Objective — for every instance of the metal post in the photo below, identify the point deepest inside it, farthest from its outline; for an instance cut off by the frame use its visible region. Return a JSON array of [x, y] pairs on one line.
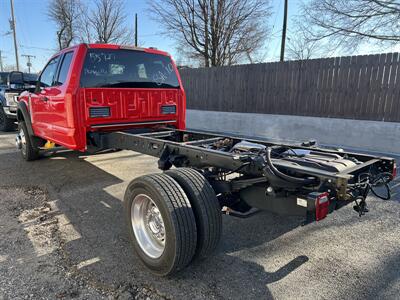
[[29, 64], [1, 62], [136, 31], [284, 31], [14, 34]]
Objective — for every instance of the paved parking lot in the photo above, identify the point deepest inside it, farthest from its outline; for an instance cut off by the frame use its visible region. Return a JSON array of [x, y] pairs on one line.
[[63, 236]]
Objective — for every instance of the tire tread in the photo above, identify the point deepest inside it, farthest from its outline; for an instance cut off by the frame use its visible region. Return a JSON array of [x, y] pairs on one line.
[[181, 214], [205, 206]]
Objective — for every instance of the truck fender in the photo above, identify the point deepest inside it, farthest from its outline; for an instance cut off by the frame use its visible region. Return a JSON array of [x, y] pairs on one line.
[[23, 115]]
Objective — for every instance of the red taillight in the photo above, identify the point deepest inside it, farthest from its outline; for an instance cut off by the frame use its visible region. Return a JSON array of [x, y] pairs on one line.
[[321, 202], [321, 206], [394, 172]]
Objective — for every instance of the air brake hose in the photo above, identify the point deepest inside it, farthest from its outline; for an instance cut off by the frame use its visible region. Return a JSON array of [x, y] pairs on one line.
[[283, 176]]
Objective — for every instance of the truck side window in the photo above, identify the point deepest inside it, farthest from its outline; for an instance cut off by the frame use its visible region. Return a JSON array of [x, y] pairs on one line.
[[66, 63], [47, 76]]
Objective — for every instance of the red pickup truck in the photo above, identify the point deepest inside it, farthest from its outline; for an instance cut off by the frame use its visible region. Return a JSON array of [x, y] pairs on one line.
[[88, 88], [107, 96]]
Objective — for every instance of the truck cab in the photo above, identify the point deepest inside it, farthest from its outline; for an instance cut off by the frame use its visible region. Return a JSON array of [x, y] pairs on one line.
[[101, 87]]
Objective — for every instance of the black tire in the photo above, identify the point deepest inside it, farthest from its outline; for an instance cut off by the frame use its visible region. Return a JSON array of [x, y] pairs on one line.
[[6, 124], [29, 151], [205, 206], [178, 220]]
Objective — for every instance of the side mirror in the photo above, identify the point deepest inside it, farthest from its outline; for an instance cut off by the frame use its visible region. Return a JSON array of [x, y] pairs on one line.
[[38, 87], [15, 78]]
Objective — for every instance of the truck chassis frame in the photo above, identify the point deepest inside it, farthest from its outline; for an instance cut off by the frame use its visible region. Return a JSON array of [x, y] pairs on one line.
[[194, 150]]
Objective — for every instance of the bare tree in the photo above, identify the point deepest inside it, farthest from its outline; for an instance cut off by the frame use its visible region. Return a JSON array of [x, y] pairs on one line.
[[84, 25], [348, 23], [107, 22], [219, 32], [300, 47], [64, 13]]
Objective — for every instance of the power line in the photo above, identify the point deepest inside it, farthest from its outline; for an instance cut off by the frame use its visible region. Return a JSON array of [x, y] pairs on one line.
[[150, 34], [273, 27], [276, 16], [39, 48]]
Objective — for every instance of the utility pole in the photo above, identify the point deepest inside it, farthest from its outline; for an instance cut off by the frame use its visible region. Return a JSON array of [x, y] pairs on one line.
[[29, 64], [284, 29], [14, 33], [136, 31], [1, 62]]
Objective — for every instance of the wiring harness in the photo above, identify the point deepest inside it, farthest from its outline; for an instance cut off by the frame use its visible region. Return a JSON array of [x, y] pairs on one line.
[[367, 182]]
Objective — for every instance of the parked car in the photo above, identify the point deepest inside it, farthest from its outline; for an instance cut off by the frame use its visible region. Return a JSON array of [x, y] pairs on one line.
[[11, 85]]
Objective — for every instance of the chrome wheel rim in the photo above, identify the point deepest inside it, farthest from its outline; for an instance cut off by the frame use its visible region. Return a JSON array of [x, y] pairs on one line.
[[23, 141], [148, 226]]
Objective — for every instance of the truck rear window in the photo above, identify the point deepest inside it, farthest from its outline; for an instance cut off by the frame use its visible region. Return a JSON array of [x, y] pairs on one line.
[[109, 68]]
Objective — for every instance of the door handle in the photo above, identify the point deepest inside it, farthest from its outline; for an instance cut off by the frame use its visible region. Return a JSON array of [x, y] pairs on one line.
[[44, 98]]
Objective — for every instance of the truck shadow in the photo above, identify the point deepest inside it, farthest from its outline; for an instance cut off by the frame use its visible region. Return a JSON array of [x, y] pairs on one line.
[[90, 198], [11, 132]]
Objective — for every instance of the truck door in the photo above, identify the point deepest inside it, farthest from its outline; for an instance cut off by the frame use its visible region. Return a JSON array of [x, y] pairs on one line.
[[51, 106], [41, 114], [60, 100]]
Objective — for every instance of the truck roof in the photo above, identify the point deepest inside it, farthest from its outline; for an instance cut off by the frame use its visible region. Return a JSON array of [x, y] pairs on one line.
[[114, 46]]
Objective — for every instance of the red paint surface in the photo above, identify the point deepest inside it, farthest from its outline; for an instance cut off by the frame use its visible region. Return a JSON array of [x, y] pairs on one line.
[[61, 114]]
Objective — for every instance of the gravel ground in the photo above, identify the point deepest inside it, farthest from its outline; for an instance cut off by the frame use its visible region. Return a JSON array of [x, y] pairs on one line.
[[63, 237]]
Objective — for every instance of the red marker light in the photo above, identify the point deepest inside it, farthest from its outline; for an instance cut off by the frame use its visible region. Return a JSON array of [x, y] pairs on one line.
[[321, 206]]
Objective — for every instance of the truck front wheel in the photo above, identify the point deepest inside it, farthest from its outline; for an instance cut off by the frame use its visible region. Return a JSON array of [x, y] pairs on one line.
[[161, 223], [24, 143]]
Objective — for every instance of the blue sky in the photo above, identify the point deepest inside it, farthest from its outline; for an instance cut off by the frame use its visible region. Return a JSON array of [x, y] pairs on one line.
[[36, 33]]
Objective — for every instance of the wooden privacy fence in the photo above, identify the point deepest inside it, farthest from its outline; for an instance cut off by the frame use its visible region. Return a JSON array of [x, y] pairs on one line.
[[355, 87]]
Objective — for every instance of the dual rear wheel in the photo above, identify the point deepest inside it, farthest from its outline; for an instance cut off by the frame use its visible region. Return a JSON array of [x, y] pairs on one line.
[[172, 218]]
